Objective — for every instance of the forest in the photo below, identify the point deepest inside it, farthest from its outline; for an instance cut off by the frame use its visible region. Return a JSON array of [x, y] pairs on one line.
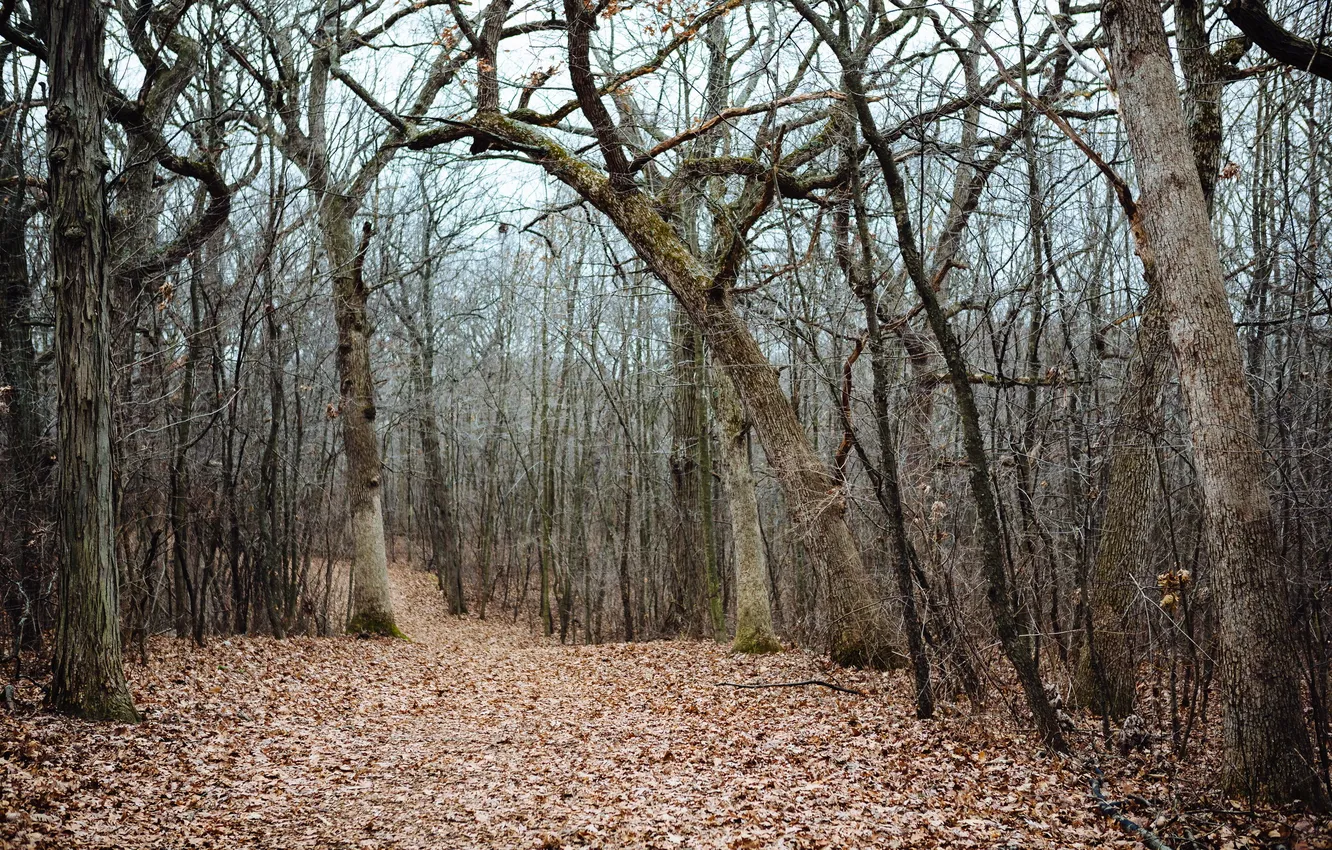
[[673, 423]]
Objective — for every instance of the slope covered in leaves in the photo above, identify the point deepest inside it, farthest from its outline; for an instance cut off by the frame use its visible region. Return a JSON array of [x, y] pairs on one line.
[[480, 735]]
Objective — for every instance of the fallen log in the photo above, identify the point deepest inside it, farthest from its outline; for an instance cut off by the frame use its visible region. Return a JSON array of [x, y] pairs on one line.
[[799, 684]]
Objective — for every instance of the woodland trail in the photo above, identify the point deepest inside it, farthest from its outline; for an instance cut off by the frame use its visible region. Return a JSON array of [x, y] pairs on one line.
[[481, 735]]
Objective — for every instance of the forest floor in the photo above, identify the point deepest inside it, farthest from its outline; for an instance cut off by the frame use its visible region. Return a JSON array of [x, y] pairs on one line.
[[478, 734]]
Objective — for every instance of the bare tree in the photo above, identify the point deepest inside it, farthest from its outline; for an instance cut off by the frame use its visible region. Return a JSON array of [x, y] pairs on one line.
[[1267, 748]]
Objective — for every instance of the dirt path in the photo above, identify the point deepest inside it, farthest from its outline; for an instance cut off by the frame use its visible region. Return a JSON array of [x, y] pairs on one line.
[[479, 735]]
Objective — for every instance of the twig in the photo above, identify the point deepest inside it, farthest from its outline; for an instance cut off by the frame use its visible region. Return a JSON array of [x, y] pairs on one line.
[[1114, 813], [837, 688]]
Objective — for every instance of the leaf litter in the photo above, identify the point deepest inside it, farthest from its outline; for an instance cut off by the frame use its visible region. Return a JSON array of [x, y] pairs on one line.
[[480, 734]]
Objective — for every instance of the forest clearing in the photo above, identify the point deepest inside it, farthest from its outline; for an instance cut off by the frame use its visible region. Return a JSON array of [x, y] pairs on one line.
[[482, 734]]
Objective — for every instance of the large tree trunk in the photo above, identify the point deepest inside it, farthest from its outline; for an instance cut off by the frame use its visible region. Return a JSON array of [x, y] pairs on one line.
[[860, 633], [88, 678], [1106, 674], [1266, 746], [371, 607], [753, 612]]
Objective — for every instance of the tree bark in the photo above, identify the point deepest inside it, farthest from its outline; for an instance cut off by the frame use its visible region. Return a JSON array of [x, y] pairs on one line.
[[1105, 679], [712, 585], [271, 558], [687, 548], [188, 613], [753, 614], [371, 609], [1266, 752], [18, 403], [444, 544], [1253, 19], [88, 677], [1106, 675], [626, 596]]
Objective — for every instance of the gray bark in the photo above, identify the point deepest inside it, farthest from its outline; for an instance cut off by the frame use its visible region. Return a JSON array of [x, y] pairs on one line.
[[371, 607], [19, 413], [1266, 750], [88, 677], [753, 612], [1106, 675]]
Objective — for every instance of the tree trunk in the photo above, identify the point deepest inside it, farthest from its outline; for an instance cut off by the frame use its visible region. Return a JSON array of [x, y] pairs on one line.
[[716, 604], [687, 547], [371, 607], [271, 557], [444, 544], [88, 677], [626, 598], [546, 485], [1266, 751], [1106, 676], [18, 404], [1105, 679], [753, 614], [187, 610]]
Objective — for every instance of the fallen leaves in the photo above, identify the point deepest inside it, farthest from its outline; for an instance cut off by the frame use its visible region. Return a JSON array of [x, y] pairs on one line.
[[481, 735]]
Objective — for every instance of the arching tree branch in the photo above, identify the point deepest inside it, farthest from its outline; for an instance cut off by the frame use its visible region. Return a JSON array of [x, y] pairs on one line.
[[1252, 18]]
